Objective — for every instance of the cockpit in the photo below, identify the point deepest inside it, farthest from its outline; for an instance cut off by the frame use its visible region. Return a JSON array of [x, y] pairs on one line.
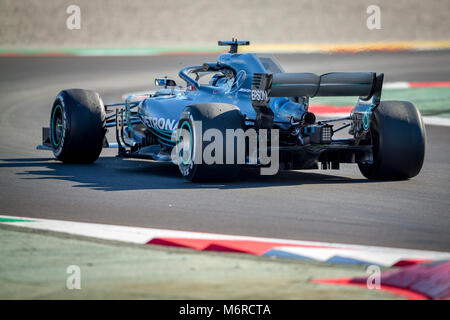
[[229, 75]]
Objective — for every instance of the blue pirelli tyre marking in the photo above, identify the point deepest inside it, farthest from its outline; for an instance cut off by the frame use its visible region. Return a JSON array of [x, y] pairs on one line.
[[183, 161], [52, 127]]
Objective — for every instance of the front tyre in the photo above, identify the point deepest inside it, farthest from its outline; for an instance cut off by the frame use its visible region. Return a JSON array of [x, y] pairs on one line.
[[398, 139], [77, 126]]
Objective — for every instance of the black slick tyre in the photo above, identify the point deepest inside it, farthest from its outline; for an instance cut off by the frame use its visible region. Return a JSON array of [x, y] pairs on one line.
[[398, 139], [77, 126]]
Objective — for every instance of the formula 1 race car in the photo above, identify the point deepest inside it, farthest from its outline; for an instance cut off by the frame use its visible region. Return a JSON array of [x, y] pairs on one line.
[[259, 108]]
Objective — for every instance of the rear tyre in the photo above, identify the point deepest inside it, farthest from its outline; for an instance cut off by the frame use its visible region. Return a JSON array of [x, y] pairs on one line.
[[77, 126], [398, 138], [190, 144]]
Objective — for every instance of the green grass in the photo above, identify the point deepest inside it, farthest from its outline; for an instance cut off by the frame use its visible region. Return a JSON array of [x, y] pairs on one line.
[[33, 265]]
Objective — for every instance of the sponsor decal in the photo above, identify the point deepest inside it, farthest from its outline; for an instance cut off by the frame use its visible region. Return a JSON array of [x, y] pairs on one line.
[[259, 95], [161, 123]]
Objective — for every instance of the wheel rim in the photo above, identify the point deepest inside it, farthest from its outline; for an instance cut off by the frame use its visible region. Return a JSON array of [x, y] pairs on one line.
[[57, 126]]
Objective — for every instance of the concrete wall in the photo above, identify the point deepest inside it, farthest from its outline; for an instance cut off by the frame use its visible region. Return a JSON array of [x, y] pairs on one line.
[[144, 23]]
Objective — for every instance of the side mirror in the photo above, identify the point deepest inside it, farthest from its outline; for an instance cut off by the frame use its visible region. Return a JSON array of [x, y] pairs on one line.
[[165, 82]]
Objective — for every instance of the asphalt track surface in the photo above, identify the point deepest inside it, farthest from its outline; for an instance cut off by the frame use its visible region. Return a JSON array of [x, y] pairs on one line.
[[333, 206]]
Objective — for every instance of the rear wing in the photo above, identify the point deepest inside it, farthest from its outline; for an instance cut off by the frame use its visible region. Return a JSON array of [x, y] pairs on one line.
[[362, 84], [366, 85]]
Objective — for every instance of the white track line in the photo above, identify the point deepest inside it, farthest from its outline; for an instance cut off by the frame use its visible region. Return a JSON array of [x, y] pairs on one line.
[[396, 85], [383, 256], [437, 121]]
